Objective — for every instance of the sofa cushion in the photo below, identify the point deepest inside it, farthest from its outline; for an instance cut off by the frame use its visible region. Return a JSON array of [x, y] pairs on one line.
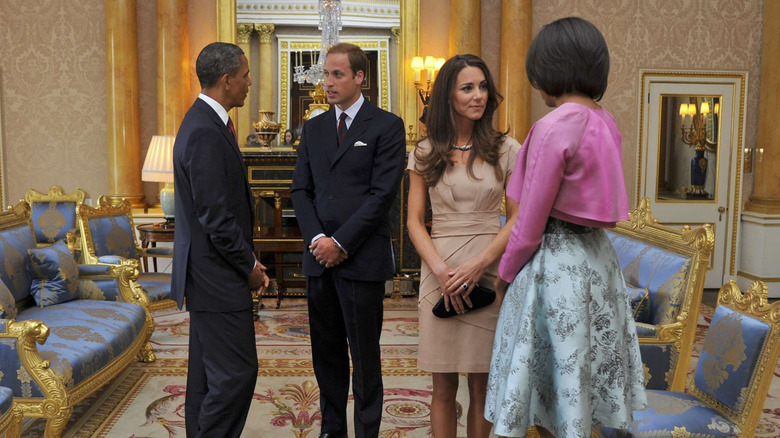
[[673, 414], [7, 302], [639, 297], [85, 335], [14, 243], [55, 274], [6, 400], [157, 285]]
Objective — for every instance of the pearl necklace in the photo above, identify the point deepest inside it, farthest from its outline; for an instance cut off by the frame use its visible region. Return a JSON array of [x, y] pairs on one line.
[[465, 147]]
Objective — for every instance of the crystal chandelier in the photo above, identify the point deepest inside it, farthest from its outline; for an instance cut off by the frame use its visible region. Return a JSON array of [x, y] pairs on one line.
[[330, 25]]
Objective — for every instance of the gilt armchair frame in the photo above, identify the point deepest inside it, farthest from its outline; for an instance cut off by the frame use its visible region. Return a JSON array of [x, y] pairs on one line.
[[108, 207], [754, 304], [694, 243]]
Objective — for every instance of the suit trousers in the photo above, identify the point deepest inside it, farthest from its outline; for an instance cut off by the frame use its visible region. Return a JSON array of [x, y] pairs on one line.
[[345, 318], [221, 373]]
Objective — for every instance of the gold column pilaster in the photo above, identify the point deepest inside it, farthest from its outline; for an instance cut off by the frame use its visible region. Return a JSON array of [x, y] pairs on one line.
[[266, 86], [123, 124], [244, 120], [409, 36], [226, 30], [465, 27], [173, 65], [397, 67], [766, 183], [516, 35]]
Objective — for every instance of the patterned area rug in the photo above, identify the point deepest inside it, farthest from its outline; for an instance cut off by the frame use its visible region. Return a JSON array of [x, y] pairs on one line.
[[147, 400]]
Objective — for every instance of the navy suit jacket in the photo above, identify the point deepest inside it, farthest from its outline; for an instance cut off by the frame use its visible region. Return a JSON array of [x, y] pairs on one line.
[[347, 191], [213, 252]]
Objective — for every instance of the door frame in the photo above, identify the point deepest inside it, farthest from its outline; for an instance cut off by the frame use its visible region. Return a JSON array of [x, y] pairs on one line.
[[737, 80]]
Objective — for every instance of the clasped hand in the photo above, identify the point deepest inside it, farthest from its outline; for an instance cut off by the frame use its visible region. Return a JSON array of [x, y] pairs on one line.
[[326, 252], [258, 280], [458, 283]]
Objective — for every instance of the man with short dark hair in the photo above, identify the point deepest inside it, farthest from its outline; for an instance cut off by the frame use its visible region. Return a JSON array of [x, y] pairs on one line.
[[214, 265], [349, 166]]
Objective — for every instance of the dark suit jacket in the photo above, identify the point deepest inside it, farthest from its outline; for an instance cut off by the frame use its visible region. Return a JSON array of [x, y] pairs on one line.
[[214, 206], [346, 192]]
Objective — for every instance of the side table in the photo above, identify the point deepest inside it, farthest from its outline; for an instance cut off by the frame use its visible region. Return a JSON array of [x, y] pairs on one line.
[[151, 234]]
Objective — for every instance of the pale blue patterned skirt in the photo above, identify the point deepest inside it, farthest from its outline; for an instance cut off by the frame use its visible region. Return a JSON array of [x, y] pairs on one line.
[[566, 354]]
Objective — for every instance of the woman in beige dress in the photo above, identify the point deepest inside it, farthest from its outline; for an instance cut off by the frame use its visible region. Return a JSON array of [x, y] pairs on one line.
[[463, 166]]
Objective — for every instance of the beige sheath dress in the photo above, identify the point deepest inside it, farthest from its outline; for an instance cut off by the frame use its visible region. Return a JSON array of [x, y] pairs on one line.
[[466, 218]]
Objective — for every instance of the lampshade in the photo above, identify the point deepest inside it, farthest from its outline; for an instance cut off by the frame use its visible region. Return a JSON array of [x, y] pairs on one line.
[[417, 63], [440, 62], [430, 62], [158, 165]]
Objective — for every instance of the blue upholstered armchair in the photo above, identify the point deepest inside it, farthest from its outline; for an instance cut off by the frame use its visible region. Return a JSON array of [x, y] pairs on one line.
[[54, 215], [108, 238], [727, 392], [664, 270]]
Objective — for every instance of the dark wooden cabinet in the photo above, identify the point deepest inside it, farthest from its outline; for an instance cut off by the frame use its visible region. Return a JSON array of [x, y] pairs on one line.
[[273, 171]]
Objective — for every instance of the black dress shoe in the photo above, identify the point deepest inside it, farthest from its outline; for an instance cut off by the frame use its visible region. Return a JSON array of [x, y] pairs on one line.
[[331, 435]]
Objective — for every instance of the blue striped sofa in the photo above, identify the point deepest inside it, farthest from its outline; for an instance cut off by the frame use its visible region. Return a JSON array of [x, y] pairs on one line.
[[56, 353]]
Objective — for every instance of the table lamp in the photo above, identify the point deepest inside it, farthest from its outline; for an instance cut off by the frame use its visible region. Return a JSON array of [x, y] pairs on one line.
[[158, 167]]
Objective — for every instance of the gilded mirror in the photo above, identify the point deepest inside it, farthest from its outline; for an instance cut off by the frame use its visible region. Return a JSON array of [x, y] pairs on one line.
[[286, 32], [689, 158], [688, 146]]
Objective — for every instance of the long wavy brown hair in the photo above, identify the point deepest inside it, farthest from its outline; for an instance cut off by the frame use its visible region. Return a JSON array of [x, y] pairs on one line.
[[440, 123]]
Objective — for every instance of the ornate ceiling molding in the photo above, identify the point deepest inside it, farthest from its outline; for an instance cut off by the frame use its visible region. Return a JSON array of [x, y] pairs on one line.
[[382, 14]]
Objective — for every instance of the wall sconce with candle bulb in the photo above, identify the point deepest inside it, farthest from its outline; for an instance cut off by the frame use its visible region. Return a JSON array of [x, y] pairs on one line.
[[701, 133], [424, 88]]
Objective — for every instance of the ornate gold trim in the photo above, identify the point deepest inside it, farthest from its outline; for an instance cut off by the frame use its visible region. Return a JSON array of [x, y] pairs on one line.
[[753, 303]]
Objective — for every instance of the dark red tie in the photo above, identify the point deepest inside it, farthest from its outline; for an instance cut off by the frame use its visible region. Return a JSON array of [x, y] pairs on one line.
[[232, 128], [342, 129]]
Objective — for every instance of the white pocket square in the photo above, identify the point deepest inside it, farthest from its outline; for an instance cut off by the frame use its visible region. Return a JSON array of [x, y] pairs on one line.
[[359, 143]]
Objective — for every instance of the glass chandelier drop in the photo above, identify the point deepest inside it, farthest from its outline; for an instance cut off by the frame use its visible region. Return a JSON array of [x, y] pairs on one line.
[[330, 25]]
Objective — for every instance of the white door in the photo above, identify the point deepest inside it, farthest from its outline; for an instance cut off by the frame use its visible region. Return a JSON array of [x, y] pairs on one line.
[[692, 135]]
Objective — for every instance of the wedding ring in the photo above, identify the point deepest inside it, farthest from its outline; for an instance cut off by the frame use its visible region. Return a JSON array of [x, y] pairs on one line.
[[465, 286]]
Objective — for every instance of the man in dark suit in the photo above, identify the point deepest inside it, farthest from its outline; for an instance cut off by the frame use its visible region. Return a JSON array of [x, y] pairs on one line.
[[350, 163], [214, 265]]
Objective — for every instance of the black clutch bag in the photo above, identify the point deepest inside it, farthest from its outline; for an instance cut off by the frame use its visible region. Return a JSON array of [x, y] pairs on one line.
[[480, 297]]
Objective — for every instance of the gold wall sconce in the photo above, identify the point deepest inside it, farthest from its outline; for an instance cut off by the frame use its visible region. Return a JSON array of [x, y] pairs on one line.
[[747, 160], [424, 88], [695, 133]]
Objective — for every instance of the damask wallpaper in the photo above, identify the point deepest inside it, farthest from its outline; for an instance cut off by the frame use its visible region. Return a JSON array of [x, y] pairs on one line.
[[52, 56], [665, 34]]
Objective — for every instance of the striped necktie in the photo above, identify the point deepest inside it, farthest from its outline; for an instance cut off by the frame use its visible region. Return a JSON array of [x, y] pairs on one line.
[[342, 129]]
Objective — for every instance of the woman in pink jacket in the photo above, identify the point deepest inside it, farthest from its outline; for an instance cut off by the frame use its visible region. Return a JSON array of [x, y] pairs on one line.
[[566, 354]]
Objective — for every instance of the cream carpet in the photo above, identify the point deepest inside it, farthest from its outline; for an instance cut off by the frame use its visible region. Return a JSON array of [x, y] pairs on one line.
[[147, 400]]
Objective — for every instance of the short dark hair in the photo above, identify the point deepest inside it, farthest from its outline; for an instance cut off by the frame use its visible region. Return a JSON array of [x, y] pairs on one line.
[[569, 55], [216, 60], [358, 61]]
